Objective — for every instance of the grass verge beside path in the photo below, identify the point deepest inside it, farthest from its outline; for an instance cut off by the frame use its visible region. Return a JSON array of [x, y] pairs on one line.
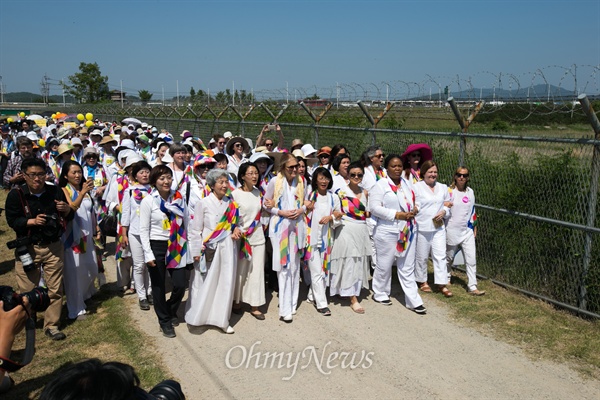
[[540, 329], [108, 333]]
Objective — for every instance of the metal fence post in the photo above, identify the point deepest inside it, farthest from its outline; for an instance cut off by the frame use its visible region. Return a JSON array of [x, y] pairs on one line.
[[593, 199], [464, 125]]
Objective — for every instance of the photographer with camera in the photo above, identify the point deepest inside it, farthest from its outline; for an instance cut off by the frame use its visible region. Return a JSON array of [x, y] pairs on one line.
[[11, 323], [37, 212]]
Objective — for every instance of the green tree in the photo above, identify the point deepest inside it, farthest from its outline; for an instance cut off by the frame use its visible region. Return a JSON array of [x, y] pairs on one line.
[[192, 95], [145, 96], [88, 85]]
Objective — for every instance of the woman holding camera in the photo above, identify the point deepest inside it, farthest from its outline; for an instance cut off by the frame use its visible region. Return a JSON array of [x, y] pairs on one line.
[[212, 234], [81, 264]]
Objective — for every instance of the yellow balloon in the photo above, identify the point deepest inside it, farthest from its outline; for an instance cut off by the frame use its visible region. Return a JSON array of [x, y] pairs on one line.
[[21, 114], [42, 143], [9, 120], [89, 123], [89, 116], [53, 116], [80, 117]]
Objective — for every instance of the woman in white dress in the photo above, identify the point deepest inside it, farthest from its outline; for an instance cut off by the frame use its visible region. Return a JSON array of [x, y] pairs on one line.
[[323, 217], [250, 282], [213, 236], [351, 246], [392, 203], [81, 264], [432, 201], [461, 228], [284, 199]]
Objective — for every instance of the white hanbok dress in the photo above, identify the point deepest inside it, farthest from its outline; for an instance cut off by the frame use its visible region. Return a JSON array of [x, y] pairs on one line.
[[211, 293], [80, 268]]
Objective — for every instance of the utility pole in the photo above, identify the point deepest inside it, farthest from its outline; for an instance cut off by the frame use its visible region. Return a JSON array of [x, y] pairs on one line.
[[1, 91]]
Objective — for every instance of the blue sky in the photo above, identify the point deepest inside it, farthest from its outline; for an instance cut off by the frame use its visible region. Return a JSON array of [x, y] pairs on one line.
[[311, 45]]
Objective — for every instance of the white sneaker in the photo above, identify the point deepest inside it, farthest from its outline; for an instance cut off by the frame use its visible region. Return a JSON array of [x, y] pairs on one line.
[[229, 330], [287, 318]]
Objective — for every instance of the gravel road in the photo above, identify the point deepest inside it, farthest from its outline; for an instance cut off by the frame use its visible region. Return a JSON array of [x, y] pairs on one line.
[[388, 352]]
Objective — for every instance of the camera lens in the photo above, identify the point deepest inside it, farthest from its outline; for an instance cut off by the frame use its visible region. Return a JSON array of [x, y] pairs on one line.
[[167, 390], [38, 298]]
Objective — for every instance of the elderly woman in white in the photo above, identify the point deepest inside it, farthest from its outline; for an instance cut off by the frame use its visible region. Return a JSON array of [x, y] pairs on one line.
[[213, 239], [432, 201]]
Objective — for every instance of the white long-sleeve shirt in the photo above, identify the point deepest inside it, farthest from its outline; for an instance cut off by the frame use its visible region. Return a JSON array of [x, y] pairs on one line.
[[154, 225], [429, 203]]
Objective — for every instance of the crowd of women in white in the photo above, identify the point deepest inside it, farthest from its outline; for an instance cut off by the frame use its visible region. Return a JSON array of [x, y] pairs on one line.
[[226, 212]]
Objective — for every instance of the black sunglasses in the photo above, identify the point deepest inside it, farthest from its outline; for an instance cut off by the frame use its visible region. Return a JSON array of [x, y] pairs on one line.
[[462, 175]]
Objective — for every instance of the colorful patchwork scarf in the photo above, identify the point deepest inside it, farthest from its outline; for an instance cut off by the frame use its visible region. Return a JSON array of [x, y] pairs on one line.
[[226, 224], [245, 248], [379, 173], [472, 219], [325, 246], [407, 233], [174, 209], [76, 239], [353, 208], [122, 184], [139, 193], [188, 175]]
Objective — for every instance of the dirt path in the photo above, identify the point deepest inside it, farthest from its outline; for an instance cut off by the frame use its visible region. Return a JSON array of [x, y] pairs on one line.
[[389, 352]]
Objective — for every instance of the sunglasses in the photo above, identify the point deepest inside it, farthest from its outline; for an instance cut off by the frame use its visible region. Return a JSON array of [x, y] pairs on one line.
[[379, 155], [324, 156], [268, 144], [415, 155], [292, 167], [356, 175], [237, 145], [462, 175]]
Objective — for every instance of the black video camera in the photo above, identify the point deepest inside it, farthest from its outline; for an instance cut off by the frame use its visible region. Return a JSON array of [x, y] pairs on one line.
[[20, 244], [38, 298]]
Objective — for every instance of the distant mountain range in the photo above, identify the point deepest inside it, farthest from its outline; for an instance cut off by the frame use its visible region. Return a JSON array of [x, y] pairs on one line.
[[533, 93], [27, 97]]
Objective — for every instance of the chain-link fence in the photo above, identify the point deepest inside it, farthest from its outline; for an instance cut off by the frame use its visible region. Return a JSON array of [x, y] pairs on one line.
[[536, 196]]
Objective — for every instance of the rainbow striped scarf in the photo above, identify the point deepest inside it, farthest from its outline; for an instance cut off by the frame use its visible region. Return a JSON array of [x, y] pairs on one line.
[[174, 209], [245, 248], [325, 245], [226, 224], [282, 226], [188, 175], [122, 184], [407, 233], [379, 173], [75, 239]]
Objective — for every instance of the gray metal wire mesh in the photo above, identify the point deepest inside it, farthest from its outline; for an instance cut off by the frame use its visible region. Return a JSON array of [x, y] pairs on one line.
[[533, 193]]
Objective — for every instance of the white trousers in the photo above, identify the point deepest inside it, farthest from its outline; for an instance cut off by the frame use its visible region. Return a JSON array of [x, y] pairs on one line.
[[289, 282], [141, 278], [468, 247], [434, 243], [382, 276], [318, 279]]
